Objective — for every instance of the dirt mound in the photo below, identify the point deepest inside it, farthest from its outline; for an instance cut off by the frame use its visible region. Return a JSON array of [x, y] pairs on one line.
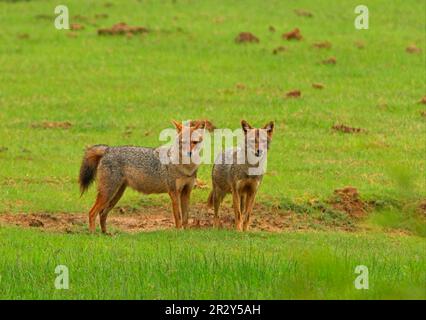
[[345, 129], [347, 200], [245, 37], [331, 60], [413, 49], [359, 44], [322, 45], [294, 94], [318, 85], [303, 13], [423, 100], [52, 125], [422, 208], [76, 26], [122, 29], [293, 35]]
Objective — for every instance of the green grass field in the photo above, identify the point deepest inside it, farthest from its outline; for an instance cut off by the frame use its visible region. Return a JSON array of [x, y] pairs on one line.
[[225, 265], [118, 90]]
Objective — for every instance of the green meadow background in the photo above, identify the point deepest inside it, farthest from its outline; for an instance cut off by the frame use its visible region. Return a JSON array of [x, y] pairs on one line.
[[120, 90]]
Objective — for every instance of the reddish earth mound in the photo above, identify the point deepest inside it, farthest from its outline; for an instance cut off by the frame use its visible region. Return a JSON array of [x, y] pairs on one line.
[[76, 26], [122, 29], [318, 86], [294, 94], [244, 37], [346, 129], [347, 200], [293, 35]]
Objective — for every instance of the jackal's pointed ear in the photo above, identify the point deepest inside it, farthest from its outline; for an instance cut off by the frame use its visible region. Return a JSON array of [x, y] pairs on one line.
[[269, 127], [199, 125], [177, 125], [245, 125]]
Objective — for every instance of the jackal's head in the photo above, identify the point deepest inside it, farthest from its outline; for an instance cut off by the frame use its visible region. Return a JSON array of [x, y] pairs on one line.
[[189, 140], [257, 140]]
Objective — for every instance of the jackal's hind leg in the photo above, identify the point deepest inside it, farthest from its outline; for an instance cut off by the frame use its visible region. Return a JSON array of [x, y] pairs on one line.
[[111, 204]]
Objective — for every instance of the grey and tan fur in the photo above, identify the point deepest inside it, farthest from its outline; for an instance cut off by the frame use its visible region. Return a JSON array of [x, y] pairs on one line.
[[237, 178], [141, 169]]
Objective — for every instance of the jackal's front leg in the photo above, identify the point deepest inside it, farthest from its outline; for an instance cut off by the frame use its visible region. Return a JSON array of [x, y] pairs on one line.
[[176, 206], [248, 209], [236, 201], [184, 202]]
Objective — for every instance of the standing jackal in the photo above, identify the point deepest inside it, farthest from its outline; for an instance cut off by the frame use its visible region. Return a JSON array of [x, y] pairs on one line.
[[146, 171], [241, 178]]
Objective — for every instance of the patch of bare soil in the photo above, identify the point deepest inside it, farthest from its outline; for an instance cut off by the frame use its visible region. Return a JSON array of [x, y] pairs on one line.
[[293, 35], [294, 94], [318, 85], [160, 218], [76, 26], [245, 37], [345, 129], [122, 29], [423, 100], [331, 60], [23, 36], [240, 86], [413, 49], [422, 208], [322, 45], [347, 200], [359, 44], [303, 13], [52, 125]]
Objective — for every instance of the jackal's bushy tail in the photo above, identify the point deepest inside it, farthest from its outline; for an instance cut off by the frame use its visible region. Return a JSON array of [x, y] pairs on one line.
[[210, 199], [89, 166]]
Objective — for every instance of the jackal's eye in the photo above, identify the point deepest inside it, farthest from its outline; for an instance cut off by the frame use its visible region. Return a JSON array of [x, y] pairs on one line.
[[251, 142]]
